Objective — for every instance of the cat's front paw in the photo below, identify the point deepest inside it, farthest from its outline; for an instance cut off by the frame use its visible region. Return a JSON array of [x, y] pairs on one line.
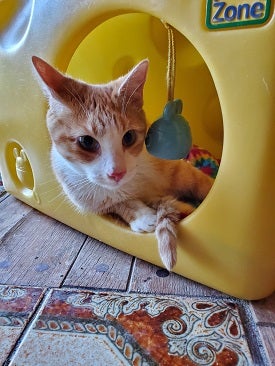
[[145, 221]]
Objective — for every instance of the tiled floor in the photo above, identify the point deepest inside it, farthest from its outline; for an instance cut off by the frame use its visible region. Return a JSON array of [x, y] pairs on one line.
[[17, 306], [72, 327], [63, 303]]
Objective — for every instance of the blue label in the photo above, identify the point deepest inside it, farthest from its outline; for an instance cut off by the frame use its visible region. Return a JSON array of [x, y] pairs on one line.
[[234, 13]]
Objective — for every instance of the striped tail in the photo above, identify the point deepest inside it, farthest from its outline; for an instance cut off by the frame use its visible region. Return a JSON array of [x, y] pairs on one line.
[[166, 233], [169, 212]]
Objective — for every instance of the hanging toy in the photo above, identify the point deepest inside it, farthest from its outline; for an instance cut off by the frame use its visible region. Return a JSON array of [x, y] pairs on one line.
[[170, 136]]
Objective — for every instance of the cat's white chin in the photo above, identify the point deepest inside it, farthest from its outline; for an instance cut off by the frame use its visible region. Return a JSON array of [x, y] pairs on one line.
[[113, 185]]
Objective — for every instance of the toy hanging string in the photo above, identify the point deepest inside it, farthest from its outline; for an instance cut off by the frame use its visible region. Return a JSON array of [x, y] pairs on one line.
[[171, 66], [170, 137]]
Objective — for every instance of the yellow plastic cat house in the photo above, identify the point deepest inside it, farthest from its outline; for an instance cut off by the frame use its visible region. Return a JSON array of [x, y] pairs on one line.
[[226, 79]]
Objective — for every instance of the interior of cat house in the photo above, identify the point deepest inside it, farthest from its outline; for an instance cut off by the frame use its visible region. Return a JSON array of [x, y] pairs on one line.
[[224, 78]]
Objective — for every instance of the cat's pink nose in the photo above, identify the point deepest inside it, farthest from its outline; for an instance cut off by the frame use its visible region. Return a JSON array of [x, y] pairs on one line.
[[117, 176]]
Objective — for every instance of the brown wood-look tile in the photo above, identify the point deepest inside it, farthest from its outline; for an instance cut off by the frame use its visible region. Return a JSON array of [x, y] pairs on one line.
[[151, 279], [264, 310], [38, 252], [100, 266], [12, 211]]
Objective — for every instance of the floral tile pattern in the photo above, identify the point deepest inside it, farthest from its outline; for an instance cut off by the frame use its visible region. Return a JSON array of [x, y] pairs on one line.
[[16, 307], [84, 327]]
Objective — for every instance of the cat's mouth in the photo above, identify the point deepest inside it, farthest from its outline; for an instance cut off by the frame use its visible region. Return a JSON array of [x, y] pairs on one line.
[[115, 182]]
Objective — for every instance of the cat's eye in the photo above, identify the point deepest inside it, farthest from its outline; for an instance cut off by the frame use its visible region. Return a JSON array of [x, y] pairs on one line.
[[88, 143], [129, 138]]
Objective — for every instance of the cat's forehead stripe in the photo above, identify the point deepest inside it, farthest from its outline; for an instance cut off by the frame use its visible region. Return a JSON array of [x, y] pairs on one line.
[[104, 115], [99, 108]]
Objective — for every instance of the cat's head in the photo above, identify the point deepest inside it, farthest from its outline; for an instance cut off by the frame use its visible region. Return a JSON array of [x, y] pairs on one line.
[[98, 129]]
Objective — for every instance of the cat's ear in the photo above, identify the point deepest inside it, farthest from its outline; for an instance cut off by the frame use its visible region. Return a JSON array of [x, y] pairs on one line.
[[131, 89], [53, 81]]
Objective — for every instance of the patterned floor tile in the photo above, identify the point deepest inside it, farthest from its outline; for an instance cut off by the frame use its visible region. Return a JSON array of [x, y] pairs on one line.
[[2, 189], [90, 328], [16, 307]]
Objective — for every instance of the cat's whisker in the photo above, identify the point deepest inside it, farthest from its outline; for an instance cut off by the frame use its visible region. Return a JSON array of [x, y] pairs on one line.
[[79, 183], [61, 202], [84, 189], [83, 183], [97, 191], [77, 97], [57, 190], [123, 108], [57, 197], [51, 192], [47, 182], [125, 105]]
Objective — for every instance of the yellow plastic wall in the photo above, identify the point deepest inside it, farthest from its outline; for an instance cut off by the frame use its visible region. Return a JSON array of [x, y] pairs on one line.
[[226, 79]]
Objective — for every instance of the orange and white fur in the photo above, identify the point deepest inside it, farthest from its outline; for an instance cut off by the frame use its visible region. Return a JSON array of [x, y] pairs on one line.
[[99, 157]]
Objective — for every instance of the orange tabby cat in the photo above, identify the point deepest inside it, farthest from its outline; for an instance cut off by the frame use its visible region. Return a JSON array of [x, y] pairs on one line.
[[100, 160]]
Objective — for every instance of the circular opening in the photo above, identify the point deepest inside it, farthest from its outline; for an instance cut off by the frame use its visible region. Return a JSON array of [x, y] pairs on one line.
[[119, 43]]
